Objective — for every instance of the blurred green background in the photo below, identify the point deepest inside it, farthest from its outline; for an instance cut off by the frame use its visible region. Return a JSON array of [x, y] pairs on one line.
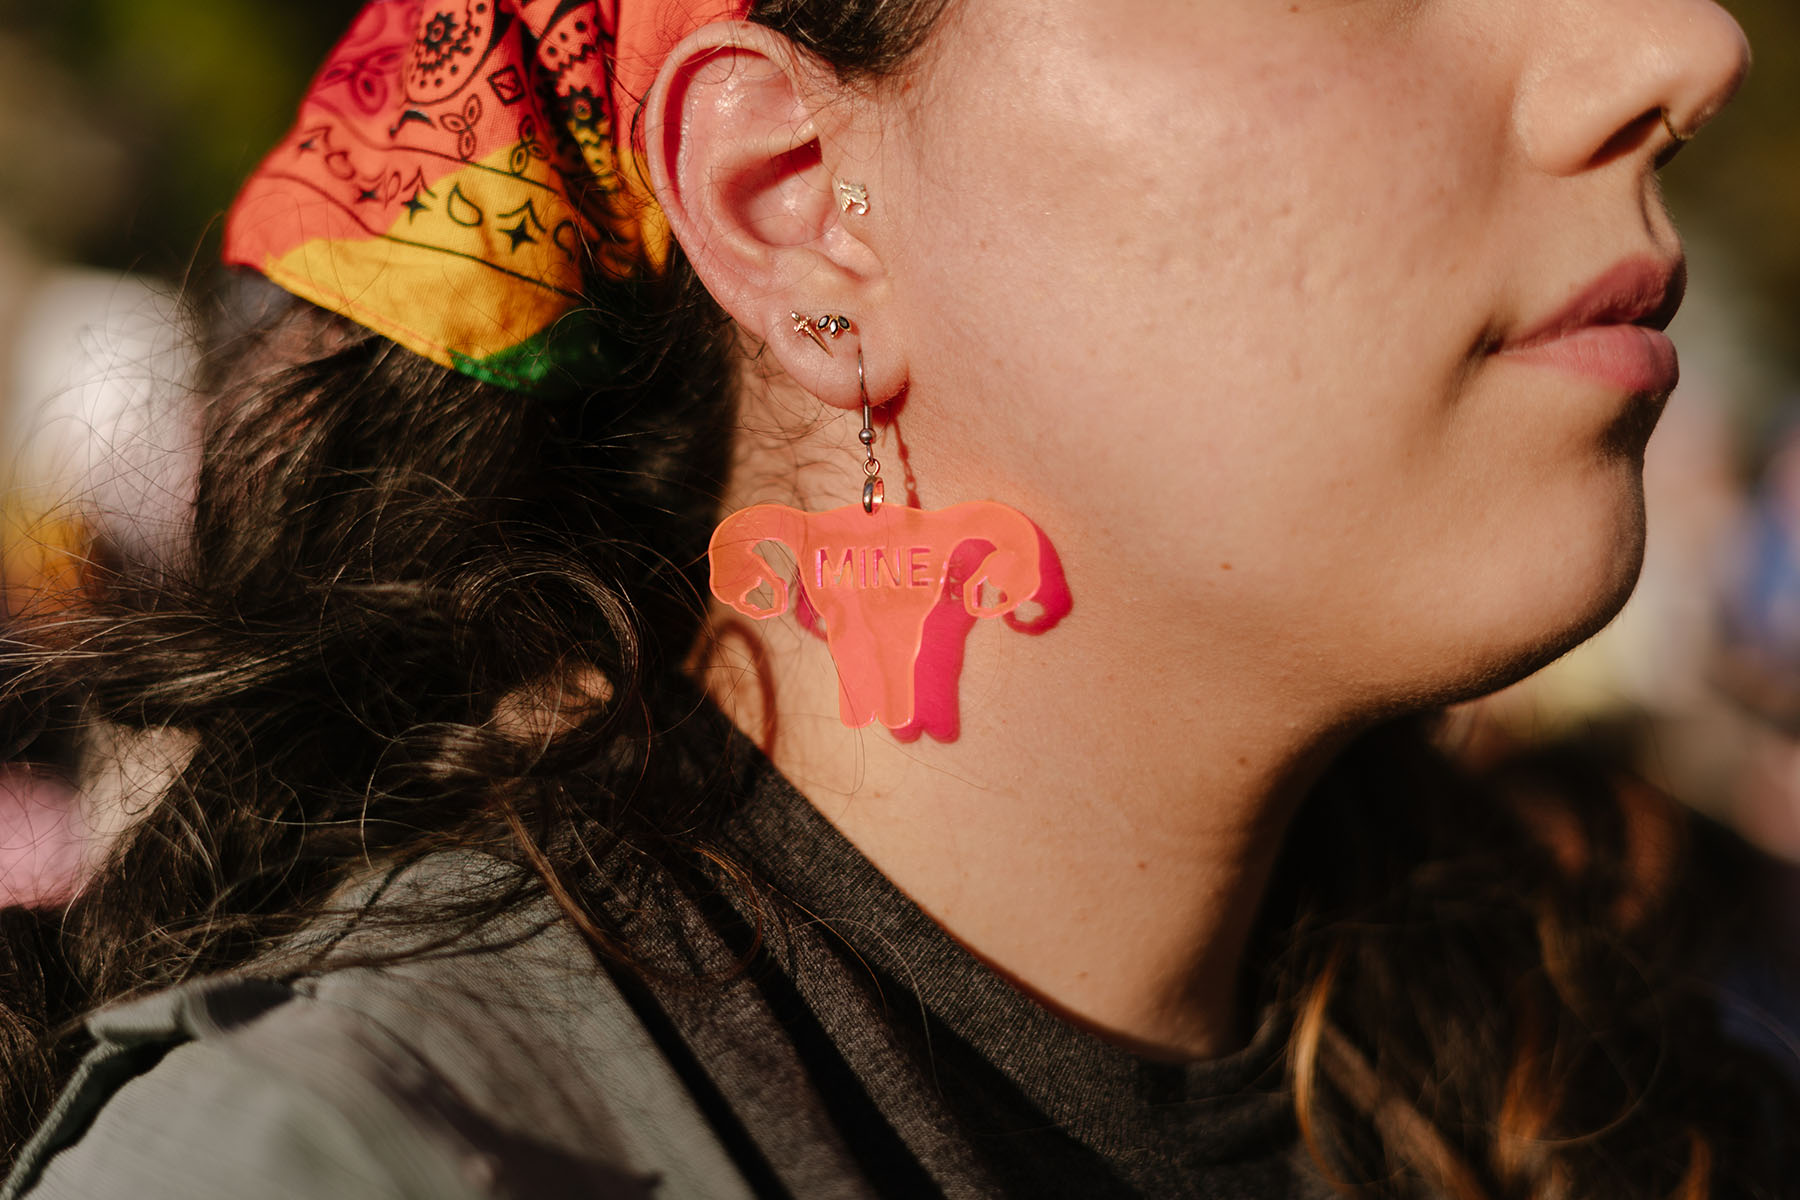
[[1739, 187], [126, 125]]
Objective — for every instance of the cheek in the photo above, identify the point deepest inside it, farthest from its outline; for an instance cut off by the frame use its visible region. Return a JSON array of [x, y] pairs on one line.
[[1243, 291], [1243, 328], [1502, 535]]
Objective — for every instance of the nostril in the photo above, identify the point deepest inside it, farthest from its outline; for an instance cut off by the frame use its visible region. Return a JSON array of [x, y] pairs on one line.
[[1631, 136]]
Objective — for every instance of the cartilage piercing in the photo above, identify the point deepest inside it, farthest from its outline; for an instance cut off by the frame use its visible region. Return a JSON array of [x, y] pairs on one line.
[[853, 198], [833, 324]]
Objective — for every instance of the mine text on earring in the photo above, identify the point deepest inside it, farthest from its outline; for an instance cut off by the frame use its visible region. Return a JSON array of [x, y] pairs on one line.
[[892, 589], [853, 198], [872, 489]]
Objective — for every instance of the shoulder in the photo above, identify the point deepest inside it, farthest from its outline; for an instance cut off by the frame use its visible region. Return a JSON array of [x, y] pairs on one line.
[[227, 1088], [502, 1065]]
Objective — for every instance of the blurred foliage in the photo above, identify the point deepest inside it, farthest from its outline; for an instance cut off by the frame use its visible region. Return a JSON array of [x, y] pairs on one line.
[[191, 92], [1740, 182]]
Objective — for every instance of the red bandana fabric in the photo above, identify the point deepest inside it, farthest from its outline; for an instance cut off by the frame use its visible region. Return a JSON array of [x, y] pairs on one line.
[[460, 164]]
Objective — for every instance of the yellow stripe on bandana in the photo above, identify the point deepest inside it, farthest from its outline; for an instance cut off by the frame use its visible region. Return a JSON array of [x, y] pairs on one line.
[[454, 175]]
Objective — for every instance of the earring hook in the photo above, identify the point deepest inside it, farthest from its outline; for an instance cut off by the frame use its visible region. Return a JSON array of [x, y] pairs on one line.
[[873, 492]]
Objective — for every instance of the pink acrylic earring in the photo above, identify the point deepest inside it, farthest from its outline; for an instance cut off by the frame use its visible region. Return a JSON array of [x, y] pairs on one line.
[[897, 589]]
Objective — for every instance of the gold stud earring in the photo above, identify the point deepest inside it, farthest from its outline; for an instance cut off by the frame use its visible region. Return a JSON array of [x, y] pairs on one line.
[[853, 198], [804, 326], [831, 324]]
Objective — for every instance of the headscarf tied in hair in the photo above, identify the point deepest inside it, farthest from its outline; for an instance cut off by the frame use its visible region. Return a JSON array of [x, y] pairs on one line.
[[458, 166]]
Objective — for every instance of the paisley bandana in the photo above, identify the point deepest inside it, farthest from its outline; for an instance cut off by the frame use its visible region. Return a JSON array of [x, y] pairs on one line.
[[459, 164]]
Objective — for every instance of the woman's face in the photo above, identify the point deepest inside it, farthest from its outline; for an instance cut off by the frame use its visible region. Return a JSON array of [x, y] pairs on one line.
[[1232, 297]]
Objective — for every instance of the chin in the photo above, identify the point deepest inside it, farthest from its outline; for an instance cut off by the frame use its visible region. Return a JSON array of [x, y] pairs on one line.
[[1566, 612], [1526, 611]]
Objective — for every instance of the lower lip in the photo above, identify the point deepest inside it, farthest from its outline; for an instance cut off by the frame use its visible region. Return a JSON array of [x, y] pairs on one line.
[[1628, 357]]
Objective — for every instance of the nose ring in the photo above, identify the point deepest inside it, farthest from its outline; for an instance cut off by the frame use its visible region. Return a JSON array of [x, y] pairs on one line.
[[1668, 120]]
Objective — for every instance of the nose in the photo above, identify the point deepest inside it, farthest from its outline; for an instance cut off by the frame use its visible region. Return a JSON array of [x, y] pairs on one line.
[[1612, 77]]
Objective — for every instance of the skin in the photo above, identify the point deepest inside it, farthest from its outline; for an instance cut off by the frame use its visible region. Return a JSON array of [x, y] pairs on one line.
[[1214, 293]]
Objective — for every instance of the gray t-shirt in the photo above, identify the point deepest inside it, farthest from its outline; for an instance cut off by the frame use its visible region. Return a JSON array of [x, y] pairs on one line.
[[833, 1042]]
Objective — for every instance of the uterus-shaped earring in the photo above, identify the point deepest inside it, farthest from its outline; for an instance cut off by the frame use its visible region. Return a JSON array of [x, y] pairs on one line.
[[894, 590]]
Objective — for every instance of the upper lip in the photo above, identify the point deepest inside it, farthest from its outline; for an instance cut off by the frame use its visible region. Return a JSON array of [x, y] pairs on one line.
[[1636, 291]]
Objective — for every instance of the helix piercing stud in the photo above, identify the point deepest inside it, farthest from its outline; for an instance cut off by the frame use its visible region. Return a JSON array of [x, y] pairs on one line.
[[853, 198], [833, 325]]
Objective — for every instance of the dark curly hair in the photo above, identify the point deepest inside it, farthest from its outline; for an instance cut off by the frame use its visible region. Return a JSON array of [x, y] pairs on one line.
[[395, 571]]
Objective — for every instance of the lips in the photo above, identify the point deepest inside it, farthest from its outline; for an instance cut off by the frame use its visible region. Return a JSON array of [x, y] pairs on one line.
[[1612, 332]]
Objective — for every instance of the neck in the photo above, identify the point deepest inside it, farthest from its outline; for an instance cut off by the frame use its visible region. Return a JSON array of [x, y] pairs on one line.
[[1101, 832]]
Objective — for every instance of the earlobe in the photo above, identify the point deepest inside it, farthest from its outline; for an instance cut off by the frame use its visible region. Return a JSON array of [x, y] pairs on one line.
[[736, 140]]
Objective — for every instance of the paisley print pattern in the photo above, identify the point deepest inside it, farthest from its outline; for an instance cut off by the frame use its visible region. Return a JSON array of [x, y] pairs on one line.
[[456, 168]]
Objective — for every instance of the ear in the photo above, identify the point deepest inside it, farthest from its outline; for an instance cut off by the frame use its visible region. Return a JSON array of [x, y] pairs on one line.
[[740, 133]]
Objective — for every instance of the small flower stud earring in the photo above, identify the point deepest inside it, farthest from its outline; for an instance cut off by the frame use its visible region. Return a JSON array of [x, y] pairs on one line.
[[831, 323]]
